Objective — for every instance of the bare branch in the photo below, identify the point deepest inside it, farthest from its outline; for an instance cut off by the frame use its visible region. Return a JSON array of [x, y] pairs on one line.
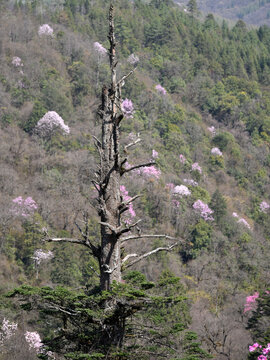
[[134, 237], [98, 141], [128, 228], [143, 256], [127, 257], [132, 144], [129, 201], [123, 171], [74, 241], [111, 227], [126, 76]]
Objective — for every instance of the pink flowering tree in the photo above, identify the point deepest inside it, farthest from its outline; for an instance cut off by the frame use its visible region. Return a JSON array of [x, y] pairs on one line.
[[128, 201], [181, 190], [45, 30], [17, 62], [215, 151], [182, 159], [264, 207], [34, 341], [241, 221], [49, 123], [203, 210], [7, 331], [251, 302], [196, 168], [212, 130], [160, 89], [23, 207], [100, 50], [154, 154], [127, 108]]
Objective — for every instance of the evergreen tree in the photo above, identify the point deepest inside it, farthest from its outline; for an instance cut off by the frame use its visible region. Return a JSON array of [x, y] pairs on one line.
[[192, 7]]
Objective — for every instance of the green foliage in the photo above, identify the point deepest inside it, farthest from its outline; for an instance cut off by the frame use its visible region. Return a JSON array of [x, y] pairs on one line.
[[37, 113], [199, 239], [165, 310], [218, 205]]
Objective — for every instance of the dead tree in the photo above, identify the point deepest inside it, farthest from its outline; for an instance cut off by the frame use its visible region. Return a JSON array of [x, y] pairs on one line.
[[111, 206]]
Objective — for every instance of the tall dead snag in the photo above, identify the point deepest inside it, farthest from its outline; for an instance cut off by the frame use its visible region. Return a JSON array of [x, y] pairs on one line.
[[111, 206]]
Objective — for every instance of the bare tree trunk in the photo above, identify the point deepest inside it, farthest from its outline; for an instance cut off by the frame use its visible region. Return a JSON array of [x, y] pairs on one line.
[[110, 203]]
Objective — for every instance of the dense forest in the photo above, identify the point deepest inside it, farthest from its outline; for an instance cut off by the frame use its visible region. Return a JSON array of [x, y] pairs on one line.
[[253, 12], [196, 111]]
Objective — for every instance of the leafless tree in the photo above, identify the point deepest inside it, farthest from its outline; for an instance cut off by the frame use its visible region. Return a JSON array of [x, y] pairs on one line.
[[115, 233]]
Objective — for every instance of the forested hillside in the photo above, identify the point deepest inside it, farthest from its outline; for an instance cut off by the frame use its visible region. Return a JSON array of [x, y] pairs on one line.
[[199, 102], [253, 12]]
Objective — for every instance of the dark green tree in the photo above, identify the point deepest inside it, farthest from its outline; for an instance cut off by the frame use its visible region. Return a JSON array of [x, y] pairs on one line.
[[218, 204]]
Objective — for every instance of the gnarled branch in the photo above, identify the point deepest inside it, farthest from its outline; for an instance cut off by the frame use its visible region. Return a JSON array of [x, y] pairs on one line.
[[123, 171], [143, 256], [141, 236]]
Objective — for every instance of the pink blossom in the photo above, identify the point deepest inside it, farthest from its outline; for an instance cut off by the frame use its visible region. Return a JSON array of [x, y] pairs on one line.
[[253, 347], [181, 190], [251, 303], [23, 207], [40, 255], [234, 214], [175, 203], [244, 222], [203, 209], [16, 61], [45, 30], [160, 89], [133, 59], [170, 186], [190, 182], [216, 151], [34, 341], [182, 158], [212, 130], [266, 350], [262, 357], [8, 329], [151, 171], [100, 49], [49, 123], [154, 154], [196, 167], [264, 206], [126, 198], [127, 108]]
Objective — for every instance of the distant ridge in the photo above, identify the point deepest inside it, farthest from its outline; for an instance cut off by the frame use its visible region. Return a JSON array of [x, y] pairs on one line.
[[253, 12]]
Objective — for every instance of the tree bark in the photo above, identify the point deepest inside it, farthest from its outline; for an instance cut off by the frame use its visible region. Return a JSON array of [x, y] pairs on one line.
[[109, 184]]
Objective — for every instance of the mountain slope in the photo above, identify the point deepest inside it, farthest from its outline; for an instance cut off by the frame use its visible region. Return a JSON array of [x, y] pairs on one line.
[[252, 12]]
